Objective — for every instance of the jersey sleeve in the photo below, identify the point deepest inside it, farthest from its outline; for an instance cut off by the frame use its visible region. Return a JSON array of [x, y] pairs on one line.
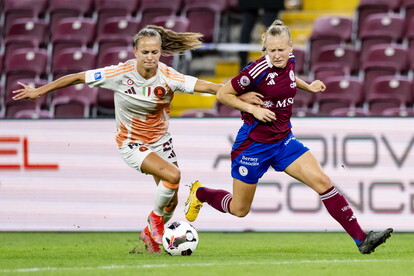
[[106, 77], [177, 81], [242, 82]]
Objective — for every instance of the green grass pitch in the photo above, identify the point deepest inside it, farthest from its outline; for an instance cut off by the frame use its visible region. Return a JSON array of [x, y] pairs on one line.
[[250, 253]]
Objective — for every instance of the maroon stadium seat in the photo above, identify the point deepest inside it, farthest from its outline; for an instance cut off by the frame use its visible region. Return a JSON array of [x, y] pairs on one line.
[[106, 9], [303, 103], [335, 60], [150, 9], [300, 57], [59, 9], [114, 55], [75, 101], [199, 113], [33, 114], [407, 8], [177, 24], [15, 9], [341, 92], [384, 59], [72, 60], [25, 63], [26, 33], [368, 7], [398, 111], [381, 28], [205, 18], [73, 32], [328, 30], [389, 92], [12, 106], [117, 32]]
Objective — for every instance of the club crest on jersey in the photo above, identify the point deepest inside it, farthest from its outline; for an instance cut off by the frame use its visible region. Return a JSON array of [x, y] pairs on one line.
[[245, 81], [142, 148], [159, 91]]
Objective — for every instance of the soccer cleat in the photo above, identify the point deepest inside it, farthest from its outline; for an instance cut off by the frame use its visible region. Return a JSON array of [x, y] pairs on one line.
[[156, 227], [193, 205], [373, 240], [151, 246]]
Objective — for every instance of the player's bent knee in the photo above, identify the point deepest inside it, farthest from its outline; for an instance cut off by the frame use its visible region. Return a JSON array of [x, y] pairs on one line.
[[240, 212]]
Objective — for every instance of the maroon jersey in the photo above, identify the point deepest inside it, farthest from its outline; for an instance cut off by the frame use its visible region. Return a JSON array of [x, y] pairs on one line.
[[278, 86]]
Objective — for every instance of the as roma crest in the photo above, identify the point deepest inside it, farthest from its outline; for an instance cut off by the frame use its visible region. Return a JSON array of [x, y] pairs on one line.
[[159, 91]]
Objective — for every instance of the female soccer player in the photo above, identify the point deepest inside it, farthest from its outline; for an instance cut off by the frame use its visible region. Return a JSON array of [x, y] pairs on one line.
[[265, 140], [143, 89]]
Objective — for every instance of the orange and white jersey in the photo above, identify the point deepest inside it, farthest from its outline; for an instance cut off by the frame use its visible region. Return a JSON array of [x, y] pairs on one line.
[[142, 106]]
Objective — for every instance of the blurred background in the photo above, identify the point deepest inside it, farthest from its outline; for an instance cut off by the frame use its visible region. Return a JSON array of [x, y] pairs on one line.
[[362, 50]]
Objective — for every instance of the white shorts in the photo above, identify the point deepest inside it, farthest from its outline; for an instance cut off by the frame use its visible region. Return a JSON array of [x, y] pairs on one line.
[[134, 154]]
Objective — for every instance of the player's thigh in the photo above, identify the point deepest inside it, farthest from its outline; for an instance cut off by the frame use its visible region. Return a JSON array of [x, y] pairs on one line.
[[158, 167], [243, 194], [307, 170]]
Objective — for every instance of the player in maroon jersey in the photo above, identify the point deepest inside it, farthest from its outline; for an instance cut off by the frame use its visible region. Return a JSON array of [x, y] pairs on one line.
[[265, 140]]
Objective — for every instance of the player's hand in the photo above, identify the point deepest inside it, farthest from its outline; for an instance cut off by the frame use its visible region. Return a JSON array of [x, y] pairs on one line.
[[27, 92], [317, 86], [262, 114], [252, 98]]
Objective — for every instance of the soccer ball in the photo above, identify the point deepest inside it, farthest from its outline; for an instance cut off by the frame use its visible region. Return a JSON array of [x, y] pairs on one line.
[[180, 238]]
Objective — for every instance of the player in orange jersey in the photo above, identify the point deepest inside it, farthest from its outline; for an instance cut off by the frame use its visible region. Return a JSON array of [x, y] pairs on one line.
[[143, 89]]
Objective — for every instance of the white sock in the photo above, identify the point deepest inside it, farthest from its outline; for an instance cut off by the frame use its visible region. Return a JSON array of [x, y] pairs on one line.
[[163, 196]]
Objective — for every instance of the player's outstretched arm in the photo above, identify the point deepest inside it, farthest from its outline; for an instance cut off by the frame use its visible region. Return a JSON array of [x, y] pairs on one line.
[[315, 87], [31, 93]]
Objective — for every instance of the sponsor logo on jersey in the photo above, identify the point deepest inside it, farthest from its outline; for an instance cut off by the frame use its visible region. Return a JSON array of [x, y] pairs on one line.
[[97, 75], [130, 91], [159, 91], [130, 82]]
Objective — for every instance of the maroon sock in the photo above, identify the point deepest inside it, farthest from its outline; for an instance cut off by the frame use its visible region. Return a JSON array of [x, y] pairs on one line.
[[218, 199], [340, 210]]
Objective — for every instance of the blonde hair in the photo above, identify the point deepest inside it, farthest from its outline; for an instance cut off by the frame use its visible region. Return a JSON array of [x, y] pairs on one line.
[[277, 28], [171, 42]]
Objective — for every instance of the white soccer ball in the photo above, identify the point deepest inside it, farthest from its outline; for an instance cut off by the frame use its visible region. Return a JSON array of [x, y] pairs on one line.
[[180, 238]]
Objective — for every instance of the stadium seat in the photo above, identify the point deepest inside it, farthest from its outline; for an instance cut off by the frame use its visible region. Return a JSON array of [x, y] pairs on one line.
[[340, 93], [225, 111], [75, 101], [114, 55], [205, 18], [398, 111], [300, 57], [199, 113], [384, 59], [12, 106], [303, 103], [33, 114], [15, 9], [150, 9], [73, 32], [409, 38], [72, 60], [177, 24], [389, 92], [106, 9], [25, 63], [26, 33], [380, 28], [335, 60], [328, 30], [59, 9], [368, 7], [350, 112], [105, 106], [117, 32], [407, 8]]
